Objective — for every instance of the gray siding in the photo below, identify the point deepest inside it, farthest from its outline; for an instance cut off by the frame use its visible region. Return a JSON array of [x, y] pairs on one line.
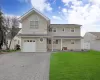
[[67, 32], [42, 25], [66, 43], [94, 43]]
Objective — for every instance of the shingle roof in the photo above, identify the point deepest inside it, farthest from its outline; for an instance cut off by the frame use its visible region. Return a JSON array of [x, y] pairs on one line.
[[65, 25], [45, 35], [67, 37], [95, 33], [32, 35]]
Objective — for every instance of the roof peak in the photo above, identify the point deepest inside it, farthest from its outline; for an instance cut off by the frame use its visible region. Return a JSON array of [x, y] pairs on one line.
[[33, 9]]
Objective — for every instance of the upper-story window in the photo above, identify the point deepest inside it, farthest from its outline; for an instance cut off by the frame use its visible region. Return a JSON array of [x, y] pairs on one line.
[[49, 41], [54, 29], [50, 29], [34, 23], [63, 29], [72, 29]]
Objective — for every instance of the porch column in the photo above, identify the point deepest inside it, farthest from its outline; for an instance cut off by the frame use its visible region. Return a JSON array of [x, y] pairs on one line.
[[61, 44], [52, 43]]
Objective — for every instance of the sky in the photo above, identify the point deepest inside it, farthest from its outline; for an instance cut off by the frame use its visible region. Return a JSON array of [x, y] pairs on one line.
[[83, 12]]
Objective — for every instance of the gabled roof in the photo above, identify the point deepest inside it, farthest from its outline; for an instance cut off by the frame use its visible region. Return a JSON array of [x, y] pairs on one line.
[[30, 11], [95, 33]]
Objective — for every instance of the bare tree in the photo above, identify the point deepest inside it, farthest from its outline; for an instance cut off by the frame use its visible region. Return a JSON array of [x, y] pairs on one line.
[[7, 22], [14, 26], [11, 24]]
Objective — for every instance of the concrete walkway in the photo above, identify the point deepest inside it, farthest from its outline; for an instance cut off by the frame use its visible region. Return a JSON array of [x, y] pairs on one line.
[[24, 66]]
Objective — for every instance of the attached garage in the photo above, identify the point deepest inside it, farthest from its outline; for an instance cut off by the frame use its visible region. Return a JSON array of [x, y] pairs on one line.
[[33, 44], [29, 46]]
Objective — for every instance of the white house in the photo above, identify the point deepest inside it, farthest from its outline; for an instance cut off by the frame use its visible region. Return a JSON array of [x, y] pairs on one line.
[[39, 35], [92, 40]]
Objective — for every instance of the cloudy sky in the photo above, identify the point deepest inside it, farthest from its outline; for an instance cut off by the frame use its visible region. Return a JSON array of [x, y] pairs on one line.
[[84, 12]]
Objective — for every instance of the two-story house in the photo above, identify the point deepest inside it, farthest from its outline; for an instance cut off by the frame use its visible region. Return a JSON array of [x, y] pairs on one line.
[[38, 35], [92, 40]]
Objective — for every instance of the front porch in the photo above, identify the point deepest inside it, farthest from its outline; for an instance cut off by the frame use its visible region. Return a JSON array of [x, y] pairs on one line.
[[63, 44]]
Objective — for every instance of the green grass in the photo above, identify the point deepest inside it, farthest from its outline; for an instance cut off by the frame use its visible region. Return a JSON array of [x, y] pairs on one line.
[[75, 66], [10, 50]]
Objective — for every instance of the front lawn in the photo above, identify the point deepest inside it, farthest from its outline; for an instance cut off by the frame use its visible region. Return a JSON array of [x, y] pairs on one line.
[[75, 66]]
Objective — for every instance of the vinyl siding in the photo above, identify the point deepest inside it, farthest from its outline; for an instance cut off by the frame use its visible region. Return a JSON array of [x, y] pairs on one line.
[[42, 29], [67, 32], [90, 38], [66, 43]]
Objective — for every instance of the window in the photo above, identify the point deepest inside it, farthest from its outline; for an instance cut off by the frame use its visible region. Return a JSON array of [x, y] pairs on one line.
[[33, 40], [50, 29], [41, 39], [55, 41], [34, 24], [63, 29], [72, 29], [30, 40], [27, 40], [54, 29], [72, 42], [49, 41]]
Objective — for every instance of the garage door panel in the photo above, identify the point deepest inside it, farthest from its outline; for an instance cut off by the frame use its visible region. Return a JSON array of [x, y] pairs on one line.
[[29, 46]]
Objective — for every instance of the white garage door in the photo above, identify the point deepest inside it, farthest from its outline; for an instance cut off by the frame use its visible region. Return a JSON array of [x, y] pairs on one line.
[[29, 46]]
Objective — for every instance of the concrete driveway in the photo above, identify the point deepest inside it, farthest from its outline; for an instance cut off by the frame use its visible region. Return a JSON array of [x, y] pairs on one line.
[[24, 66]]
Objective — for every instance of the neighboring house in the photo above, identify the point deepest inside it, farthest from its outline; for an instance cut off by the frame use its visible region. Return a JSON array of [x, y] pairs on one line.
[[38, 35], [16, 40], [92, 40]]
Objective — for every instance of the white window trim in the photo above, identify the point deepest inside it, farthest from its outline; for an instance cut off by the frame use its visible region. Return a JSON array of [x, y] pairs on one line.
[[72, 41], [34, 21], [71, 29], [53, 29]]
